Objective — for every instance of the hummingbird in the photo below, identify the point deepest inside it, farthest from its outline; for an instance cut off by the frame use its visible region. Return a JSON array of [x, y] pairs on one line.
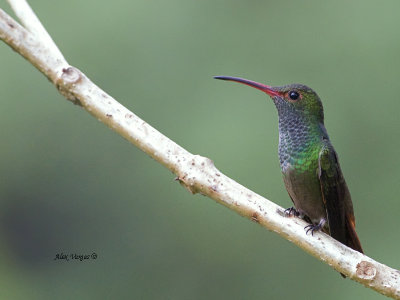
[[309, 163]]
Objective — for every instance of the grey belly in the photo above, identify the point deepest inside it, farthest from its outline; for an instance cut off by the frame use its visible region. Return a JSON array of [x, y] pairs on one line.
[[305, 191]]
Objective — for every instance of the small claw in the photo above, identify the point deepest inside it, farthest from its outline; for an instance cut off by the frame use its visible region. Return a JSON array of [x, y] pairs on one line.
[[291, 211], [314, 227], [309, 228]]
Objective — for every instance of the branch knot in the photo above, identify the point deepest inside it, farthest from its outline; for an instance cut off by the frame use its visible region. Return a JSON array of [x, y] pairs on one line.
[[65, 84], [366, 270]]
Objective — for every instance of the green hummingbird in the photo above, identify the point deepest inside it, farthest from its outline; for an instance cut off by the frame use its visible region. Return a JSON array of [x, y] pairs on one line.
[[309, 163]]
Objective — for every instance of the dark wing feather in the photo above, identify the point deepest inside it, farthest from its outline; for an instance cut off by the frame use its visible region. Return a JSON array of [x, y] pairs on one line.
[[334, 191]]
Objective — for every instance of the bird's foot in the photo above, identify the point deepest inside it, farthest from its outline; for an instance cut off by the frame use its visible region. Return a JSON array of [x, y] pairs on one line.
[[291, 211], [315, 227]]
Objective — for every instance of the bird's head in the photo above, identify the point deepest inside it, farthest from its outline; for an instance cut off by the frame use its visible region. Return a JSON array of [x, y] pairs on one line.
[[292, 98]]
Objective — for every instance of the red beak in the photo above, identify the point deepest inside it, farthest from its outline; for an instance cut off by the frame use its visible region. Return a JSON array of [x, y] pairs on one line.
[[262, 87]]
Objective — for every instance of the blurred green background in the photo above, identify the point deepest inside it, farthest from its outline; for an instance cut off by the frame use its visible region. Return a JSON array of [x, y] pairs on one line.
[[69, 184]]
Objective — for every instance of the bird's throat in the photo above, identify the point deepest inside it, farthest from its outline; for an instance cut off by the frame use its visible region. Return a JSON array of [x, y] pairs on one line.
[[299, 144]]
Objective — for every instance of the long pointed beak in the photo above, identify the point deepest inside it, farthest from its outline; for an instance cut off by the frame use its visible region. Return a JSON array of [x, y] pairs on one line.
[[262, 87]]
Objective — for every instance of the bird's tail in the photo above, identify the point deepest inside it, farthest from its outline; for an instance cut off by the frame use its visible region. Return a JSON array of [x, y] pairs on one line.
[[352, 239]]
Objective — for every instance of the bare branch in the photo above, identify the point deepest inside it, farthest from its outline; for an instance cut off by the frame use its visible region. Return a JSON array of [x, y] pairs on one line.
[[31, 22], [198, 174]]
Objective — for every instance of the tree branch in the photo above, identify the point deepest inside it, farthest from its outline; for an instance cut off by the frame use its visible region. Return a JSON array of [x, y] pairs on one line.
[[196, 173]]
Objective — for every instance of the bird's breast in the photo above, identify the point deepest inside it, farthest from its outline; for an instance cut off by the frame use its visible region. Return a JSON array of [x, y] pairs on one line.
[[300, 153]]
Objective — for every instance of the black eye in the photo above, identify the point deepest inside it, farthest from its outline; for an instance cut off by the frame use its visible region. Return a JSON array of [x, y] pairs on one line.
[[294, 95]]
